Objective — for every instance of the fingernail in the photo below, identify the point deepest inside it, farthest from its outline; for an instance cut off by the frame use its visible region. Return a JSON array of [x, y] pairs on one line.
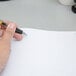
[[11, 26]]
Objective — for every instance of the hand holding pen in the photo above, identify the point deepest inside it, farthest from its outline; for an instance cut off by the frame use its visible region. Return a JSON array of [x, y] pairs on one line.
[[10, 29]]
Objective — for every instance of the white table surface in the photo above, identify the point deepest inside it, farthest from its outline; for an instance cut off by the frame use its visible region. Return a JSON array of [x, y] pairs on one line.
[[41, 14]]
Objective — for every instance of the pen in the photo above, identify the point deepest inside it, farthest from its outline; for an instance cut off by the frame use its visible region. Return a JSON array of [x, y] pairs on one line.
[[19, 31]]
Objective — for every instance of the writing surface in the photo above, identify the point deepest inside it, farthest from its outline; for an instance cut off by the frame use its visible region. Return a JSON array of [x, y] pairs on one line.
[[43, 53]]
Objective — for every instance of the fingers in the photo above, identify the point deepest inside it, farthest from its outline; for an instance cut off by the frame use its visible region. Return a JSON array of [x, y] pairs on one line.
[[8, 22], [1, 32], [9, 32], [18, 37]]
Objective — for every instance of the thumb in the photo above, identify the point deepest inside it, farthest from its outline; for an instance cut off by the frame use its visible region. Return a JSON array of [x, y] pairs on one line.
[[9, 32]]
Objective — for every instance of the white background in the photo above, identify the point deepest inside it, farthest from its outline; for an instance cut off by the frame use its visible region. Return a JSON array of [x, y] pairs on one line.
[[43, 53]]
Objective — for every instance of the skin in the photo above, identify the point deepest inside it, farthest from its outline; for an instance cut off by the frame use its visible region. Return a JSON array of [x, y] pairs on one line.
[[5, 42]]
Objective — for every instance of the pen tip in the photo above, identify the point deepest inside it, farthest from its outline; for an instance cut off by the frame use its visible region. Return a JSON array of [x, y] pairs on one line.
[[24, 33]]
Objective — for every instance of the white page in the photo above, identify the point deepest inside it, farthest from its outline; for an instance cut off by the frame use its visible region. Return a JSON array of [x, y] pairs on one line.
[[43, 53]]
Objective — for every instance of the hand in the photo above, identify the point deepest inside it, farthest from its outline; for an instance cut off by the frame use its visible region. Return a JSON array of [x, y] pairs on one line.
[[12, 30], [5, 42]]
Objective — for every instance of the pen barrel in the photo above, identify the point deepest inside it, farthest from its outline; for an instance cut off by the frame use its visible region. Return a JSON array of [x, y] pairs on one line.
[[4, 25], [19, 31]]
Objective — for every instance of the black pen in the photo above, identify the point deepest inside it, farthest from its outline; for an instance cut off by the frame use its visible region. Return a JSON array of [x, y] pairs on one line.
[[19, 31]]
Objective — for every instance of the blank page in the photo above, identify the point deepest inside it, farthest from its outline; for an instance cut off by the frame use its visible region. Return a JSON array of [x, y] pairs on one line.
[[43, 53]]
